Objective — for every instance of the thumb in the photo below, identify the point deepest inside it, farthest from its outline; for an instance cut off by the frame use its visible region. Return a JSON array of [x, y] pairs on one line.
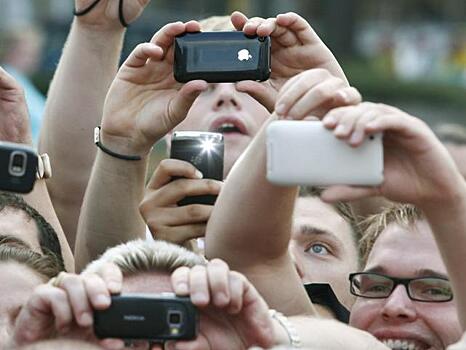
[[266, 96], [184, 99]]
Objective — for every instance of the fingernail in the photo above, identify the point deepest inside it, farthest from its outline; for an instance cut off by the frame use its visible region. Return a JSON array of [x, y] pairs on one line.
[[280, 109], [328, 120], [102, 299], [182, 288], [340, 130], [85, 319], [221, 299], [356, 137], [198, 174]]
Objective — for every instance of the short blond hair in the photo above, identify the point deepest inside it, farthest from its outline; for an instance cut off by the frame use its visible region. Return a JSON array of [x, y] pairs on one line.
[[404, 215], [147, 256], [216, 24]]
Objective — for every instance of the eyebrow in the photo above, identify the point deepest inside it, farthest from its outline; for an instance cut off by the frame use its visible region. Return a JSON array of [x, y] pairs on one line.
[[417, 273], [309, 230]]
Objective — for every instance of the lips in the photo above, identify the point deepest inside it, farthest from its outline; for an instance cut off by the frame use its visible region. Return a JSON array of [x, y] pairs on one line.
[[228, 125]]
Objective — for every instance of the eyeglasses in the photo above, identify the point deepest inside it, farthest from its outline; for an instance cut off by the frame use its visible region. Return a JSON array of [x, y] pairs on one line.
[[378, 286]]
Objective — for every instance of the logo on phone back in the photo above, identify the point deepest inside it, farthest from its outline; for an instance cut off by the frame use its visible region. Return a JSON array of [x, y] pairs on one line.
[[244, 55]]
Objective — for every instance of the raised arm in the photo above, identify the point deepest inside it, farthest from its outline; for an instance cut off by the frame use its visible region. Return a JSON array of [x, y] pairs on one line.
[[417, 169], [251, 223], [75, 101], [143, 104], [14, 127]]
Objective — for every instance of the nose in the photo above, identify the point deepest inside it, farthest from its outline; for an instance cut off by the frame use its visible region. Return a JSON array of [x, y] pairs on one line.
[[399, 307], [226, 97]]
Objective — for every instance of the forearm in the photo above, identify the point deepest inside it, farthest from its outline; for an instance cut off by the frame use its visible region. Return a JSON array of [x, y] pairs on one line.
[[74, 107], [39, 199], [250, 229], [252, 218], [448, 223], [317, 333], [110, 214]]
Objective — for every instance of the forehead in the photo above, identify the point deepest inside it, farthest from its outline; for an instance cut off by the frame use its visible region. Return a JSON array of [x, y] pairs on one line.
[[17, 283], [17, 223], [147, 282], [313, 211], [401, 251]]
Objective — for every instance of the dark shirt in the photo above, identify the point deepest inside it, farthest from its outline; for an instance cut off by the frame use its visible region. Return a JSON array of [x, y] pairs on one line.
[[322, 294]]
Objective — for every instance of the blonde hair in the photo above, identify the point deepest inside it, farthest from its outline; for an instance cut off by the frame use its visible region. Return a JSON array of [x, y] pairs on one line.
[[216, 24], [451, 133], [147, 256], [404, 215]]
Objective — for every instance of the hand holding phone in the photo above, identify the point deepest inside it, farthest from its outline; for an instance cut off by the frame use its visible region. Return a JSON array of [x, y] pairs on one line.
[[306, 153], [221, 57], [18, 167]]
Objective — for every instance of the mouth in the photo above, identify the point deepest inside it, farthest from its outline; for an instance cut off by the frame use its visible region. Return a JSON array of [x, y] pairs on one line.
[[404, 344], [228, 126]]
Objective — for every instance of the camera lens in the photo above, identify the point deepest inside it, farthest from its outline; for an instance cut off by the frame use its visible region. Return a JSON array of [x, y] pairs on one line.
[[17, 163], [174, 317]]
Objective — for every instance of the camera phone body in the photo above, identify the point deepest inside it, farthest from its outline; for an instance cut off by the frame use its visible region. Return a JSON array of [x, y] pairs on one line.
[[18, 167], [204, 150], [218, 57], [151, 317]]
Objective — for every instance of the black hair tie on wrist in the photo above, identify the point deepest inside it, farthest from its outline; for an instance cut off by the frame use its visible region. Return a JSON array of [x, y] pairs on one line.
[[88, 9]]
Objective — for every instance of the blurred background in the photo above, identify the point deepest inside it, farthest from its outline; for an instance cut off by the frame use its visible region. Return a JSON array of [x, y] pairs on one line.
[[408, 53]]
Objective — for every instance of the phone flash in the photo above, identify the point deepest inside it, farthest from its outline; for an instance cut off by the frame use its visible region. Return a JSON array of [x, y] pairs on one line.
[[174, 331], [207, 145]]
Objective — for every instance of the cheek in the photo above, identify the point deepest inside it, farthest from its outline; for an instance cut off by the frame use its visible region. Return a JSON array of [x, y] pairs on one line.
[[363, 313], [442, 319]]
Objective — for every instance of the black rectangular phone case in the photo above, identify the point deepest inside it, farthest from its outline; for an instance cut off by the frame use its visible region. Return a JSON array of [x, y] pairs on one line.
[[209, 164], [22, 181], [221, 57], [146, 317]]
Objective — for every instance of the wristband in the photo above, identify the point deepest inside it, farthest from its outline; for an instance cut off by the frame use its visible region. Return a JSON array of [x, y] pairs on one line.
[[94, 4], [293, 336], [44, 169], [109, 152]]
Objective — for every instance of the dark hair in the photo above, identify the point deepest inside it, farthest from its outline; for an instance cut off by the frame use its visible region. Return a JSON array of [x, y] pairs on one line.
[[48, 239], [46, 265]]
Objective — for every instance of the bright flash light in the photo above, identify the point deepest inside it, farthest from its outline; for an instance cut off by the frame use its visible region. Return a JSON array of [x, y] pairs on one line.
[[207, 145]]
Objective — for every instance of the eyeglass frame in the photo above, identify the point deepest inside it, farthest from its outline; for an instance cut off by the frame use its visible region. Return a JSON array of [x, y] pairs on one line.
[[396, 282]]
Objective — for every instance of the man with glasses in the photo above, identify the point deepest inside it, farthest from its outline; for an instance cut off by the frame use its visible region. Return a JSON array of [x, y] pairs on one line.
[[404, 295]]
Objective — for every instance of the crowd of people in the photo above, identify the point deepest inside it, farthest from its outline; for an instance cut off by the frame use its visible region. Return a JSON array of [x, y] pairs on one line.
[[282, 267]]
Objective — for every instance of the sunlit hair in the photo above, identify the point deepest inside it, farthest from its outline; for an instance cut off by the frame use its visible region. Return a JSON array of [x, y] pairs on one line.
[[451, 133], [147, 256], [343, 209], [216, 24], [44, 265], [403, 215]]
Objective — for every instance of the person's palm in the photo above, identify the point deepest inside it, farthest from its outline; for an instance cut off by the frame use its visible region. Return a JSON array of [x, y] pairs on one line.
[[105, 13]]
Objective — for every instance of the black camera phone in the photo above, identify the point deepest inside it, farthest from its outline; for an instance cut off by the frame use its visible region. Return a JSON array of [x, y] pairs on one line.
[[205, 151], [151, 317], [18, 167], [221, 57]]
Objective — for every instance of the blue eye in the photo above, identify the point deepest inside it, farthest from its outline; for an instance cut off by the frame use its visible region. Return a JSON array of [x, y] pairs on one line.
[[318, 249]]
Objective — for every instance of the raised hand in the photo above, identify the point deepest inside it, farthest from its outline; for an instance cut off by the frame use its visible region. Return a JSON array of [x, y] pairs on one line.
[[14, 116], [165, 219], [417, 167], [144, 101], [295, 48]]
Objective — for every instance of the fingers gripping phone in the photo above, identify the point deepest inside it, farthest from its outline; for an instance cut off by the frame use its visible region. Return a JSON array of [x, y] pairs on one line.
[[221, 57], [152, 317], [18, 166], [307, 153], [205, 151]]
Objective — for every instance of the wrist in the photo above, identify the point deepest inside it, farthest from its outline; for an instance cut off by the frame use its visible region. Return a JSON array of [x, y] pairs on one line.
[[125, 144], [100, 32], [285, 332]]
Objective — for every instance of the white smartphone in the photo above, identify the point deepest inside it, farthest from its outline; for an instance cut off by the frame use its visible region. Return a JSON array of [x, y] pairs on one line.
[[307, 153]]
